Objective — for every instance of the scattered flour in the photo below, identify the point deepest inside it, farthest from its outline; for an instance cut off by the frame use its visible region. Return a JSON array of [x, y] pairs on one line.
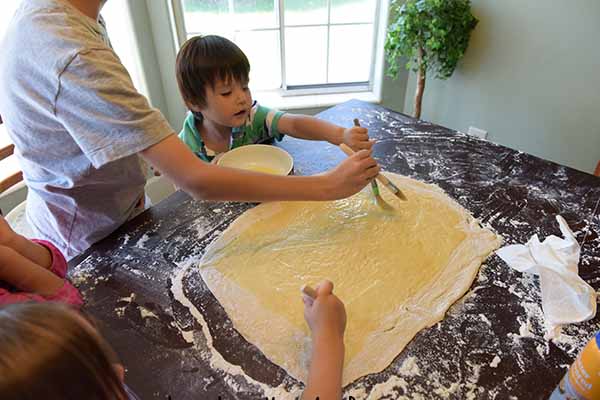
[[409, 367], [145, 313], [495, 362], [485, 319], [127, 299], [142, 241], [525, 328], [120, 311], [389, 387], [233, 374], [445, 392], [188, 336], [84, 276]]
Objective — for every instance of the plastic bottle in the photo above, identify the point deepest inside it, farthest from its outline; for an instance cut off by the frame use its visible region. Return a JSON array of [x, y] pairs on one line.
[[582, 380]]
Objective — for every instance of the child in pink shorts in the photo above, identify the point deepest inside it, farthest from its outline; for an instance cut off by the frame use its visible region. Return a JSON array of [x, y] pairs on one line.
[[32, 270]]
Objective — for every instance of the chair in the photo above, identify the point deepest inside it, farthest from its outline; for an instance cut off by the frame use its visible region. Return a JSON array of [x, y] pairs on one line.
[[158, 188], [14, 175], [597, 172], [12, 186]]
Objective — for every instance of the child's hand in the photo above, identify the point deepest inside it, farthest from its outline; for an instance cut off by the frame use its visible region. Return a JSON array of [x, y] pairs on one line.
[[352, 174], [7, 235], [357, 138], [325, 315]]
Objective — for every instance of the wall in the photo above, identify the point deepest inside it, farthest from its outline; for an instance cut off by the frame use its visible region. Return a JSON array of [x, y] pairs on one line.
[[530, 77]]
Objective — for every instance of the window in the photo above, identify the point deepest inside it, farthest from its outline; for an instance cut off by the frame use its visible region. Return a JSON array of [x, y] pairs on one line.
[[117, 17], [299, 46]]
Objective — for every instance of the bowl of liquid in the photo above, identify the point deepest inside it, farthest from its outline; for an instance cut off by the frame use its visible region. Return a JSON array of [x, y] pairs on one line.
[[262, 158]]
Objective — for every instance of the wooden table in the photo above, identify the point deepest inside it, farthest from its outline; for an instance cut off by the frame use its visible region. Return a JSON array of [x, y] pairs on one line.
[[490, 345]]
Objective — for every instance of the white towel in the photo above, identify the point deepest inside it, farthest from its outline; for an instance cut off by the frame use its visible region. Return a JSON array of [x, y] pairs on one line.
[[566, 298]]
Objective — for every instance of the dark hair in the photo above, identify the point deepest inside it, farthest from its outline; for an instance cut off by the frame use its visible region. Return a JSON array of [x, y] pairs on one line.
[[202, 60], [48, 352]]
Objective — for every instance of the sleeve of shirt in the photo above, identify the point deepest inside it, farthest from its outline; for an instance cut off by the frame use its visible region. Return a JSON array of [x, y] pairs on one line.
[[67, 294], [188, 135], [59, 264], [101, 109], [269, 119]]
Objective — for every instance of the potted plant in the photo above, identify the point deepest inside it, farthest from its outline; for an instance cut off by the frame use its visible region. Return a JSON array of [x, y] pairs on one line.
[[432, 35]]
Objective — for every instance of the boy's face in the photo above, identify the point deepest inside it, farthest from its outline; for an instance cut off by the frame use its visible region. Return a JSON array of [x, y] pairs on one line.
[[227, 103]]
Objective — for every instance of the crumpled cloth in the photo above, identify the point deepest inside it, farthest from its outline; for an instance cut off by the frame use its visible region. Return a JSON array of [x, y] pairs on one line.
[[566, 298]]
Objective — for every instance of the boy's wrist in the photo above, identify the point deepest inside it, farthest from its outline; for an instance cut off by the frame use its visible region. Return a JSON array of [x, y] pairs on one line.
[[332, 345], [339, 136], [328, 338], [326, 187]]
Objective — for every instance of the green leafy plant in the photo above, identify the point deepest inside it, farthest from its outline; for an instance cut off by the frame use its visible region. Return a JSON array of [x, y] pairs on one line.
[[432, 35]]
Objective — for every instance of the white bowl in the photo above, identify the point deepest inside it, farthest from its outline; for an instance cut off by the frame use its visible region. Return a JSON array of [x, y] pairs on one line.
[[258, 158]]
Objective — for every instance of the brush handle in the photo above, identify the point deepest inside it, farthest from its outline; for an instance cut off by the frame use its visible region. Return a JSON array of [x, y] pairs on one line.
[[384, 180], [310, 292], [349, 152], [390, 185], [380, 177], [374, 185]]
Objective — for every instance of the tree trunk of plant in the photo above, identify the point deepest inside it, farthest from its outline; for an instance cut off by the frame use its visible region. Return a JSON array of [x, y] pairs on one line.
[[420, 84]]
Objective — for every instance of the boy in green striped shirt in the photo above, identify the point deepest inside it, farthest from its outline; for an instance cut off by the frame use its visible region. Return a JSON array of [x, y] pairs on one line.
[[213, 75]]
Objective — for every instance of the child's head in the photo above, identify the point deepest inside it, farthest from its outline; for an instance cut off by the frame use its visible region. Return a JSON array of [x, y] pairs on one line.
[[213, 75], [48, 351]]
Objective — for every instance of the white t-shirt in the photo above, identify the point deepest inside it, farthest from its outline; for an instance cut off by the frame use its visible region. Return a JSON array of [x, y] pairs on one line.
[[77, 123]]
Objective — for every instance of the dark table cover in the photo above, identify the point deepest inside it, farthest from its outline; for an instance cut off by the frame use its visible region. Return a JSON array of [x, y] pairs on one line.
[[490, 345]]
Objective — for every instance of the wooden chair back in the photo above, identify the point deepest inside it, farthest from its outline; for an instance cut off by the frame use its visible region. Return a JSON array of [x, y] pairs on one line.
[[13, 174]]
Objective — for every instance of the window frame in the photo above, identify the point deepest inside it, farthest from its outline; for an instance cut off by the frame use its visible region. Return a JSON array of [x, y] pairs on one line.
[[369, 91], [136, 69]]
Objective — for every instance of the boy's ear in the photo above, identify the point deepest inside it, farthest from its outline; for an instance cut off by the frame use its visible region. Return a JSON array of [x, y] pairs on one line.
[[193, 107]]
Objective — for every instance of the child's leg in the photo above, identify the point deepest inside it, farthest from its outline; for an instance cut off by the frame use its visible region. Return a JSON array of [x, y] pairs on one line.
[[22, 273]]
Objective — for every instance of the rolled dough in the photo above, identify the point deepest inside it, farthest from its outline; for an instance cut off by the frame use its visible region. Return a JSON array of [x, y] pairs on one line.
[[397, 272]]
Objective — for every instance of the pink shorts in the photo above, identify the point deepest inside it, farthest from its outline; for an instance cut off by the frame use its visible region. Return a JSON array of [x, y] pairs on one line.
[[67, 293]]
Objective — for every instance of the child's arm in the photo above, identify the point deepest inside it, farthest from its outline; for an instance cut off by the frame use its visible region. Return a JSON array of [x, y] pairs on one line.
[[25, 275], [211, 182], [36, 253], [326, 317], [310, 128]]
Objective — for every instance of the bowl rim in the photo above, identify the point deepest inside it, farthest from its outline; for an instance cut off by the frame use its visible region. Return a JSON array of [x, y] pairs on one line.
[[287, 155]]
